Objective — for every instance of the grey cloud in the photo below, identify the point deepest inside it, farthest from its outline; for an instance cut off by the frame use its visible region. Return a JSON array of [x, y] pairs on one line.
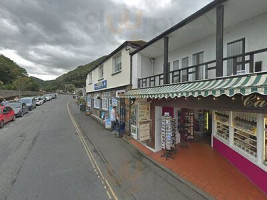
[[59, 35]]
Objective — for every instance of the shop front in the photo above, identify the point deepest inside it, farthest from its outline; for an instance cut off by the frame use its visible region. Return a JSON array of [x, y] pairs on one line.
[[228, 114], [101, 103]]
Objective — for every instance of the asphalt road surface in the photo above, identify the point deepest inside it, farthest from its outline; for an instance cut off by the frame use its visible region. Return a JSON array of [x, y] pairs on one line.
[[59, 153]]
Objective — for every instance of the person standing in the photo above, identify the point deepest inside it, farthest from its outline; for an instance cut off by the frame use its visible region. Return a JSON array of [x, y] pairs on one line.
[[113, 118]]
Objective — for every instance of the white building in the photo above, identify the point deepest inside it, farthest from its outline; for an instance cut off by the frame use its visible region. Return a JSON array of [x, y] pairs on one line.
[[209, 73], [108, 79]]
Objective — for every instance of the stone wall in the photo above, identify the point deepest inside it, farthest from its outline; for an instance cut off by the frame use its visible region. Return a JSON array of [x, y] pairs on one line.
[[13, 93]]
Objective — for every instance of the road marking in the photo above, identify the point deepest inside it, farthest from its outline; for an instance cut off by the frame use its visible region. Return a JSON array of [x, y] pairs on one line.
[[91, 158]]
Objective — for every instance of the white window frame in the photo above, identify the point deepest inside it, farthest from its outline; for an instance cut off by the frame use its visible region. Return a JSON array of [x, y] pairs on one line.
[[90, 78], [89, 102], [105, 103], [117, 63], [100, 72], [97, 103]]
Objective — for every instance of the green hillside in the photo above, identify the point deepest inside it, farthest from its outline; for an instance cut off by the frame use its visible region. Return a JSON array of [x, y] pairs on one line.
[[13, 76], [77, 77], [41, 83]]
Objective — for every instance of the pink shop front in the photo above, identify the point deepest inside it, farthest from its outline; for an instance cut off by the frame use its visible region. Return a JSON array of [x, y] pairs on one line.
[[239, 129]]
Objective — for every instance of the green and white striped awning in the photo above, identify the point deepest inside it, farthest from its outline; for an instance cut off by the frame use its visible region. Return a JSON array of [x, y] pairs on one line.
[[245, 85]]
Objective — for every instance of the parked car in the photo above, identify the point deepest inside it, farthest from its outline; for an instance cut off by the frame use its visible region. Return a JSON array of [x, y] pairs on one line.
[[6, 114], [43, 97], [48, 97], [30, 102], [19, 108], [39, 101]]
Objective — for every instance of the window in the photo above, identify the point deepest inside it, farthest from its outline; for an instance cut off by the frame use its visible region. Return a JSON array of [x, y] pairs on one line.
[[245, 132], [117, 63], [90, 78], [198, 59], [100, 72], [176, 74], [233, 49], [105, 104], [185, 64], [176, 65], [89, 102], [97, 103]]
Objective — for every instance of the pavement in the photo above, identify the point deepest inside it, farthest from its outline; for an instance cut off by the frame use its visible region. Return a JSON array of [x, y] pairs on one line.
[[59, 153], [130, 173]]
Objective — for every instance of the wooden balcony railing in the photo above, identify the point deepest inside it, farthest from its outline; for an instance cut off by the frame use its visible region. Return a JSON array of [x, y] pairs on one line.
[[202, 71]]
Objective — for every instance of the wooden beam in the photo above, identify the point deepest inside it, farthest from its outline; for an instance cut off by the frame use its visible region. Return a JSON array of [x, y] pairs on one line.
[[219, 40], [166, 61]]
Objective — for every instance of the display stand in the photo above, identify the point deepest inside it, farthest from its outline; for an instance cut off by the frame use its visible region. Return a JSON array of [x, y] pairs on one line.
[[189, 124], [168, 136]]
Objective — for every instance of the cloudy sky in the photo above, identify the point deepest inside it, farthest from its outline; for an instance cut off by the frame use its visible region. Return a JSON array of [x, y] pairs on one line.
[[51, 37]]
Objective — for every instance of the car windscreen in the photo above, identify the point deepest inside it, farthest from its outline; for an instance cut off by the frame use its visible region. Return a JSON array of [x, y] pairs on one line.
[[15, 105], [26, 100]]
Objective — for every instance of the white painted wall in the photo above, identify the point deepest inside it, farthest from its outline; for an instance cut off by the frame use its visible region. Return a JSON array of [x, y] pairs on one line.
[[113, 81], [254, 31]]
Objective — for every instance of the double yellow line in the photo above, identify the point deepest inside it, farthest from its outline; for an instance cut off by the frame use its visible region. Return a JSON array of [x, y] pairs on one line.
[[98, 172]]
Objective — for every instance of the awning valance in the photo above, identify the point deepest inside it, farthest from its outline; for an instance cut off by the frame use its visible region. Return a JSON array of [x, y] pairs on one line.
[[245, 85]]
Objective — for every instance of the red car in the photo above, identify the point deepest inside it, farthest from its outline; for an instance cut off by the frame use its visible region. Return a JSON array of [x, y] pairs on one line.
[[6, 114]]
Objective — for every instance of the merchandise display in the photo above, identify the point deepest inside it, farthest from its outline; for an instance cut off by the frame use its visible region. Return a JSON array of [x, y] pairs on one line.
[[222, 119], [189, 124], [245, 132], [168, 134]]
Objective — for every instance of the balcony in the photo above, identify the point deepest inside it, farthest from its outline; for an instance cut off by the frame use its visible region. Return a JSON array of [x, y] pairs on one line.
[[247, 63]]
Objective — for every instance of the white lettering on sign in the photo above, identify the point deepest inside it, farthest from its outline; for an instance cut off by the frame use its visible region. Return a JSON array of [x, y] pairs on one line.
[[253, 101]]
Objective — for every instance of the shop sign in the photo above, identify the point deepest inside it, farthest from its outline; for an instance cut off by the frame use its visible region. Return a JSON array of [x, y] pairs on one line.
[[134, 131], [144, 112], [144, 131], [100, 85], [253, 101], [119, 93]]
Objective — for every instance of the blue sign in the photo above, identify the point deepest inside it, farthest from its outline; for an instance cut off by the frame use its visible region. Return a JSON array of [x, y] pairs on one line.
[[100, 85]]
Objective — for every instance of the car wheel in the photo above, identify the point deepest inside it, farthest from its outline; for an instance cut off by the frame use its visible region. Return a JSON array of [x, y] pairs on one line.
[[21, 115], [2, 124], [14, 117]]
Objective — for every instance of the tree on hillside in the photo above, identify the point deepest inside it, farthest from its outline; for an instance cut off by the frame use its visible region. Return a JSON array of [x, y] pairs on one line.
[[69, 87], [25, 83], [9, 70]]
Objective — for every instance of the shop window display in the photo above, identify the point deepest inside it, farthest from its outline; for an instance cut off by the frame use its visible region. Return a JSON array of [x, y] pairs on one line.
[[222, 119], [245, 132]]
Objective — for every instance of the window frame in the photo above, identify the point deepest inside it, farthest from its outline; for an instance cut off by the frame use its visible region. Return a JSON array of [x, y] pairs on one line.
[[90, 78], [101, 72], [115, 64]]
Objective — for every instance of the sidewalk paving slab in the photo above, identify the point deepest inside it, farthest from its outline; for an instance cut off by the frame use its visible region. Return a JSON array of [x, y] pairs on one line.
[[200, 166]]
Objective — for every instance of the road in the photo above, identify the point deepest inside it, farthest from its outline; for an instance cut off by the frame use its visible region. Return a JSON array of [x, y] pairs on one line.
[[56, 152]]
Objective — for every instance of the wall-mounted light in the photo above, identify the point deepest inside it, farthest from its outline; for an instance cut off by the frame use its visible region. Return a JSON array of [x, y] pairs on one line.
[[133, 101], [233, 98], [214, 98], [199, 98], [258, 98]]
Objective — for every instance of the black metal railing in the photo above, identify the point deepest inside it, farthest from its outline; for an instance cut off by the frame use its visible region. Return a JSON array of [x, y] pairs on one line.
[[205, 70]]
